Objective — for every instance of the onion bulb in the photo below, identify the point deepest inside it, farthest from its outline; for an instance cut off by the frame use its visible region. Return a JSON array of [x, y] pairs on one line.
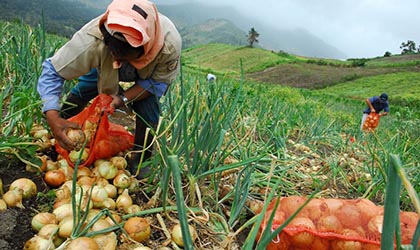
[[374, 231], [347, 244], [75, 154], [106, 241], [291, 204], [303, 239], [107, 170], [3, 205], [63, 211], [111, 190], [13, 198], [349, 216], [39, 243], [54, 178], [124, 200], [42, 219], [27, 186], [138, 229], [122, 180], [76, 136], [51, 231], [176, 234], [84, 243], [329, 223], [65, 227], [118, 161]]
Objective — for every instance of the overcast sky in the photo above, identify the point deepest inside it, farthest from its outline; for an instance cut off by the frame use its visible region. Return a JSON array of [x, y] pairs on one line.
[[359, 28]]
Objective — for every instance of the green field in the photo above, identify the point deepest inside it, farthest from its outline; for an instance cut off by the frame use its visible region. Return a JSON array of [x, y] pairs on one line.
[[226, 147]]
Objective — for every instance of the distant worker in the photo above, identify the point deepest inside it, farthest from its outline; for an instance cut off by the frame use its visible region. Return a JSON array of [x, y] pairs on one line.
[[376, 104], [211, 77]]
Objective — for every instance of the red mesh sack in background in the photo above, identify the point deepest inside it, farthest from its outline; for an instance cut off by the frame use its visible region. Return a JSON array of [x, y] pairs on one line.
[[372, 121], [335, 224], [105, 139]]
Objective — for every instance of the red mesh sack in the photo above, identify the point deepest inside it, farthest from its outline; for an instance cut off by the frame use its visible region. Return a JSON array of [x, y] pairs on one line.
[[104, 138], [332, 224], [372, 121]]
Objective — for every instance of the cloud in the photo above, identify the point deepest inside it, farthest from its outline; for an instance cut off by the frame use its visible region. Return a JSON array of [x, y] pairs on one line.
[[362, 28]]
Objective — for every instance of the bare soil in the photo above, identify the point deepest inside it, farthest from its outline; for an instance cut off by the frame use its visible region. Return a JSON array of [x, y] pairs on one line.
[[15, 223], [313, 76]]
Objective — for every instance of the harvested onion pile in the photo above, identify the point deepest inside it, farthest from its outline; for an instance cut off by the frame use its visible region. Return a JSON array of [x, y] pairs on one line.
[[371, 122], [332, 224]]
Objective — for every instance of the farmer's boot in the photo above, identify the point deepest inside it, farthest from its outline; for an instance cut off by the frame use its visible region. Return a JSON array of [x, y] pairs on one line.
[[139, 138], [72, 106]]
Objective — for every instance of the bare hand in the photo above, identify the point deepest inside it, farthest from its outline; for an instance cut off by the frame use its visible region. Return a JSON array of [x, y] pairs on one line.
[[117, 102], [59, 127]]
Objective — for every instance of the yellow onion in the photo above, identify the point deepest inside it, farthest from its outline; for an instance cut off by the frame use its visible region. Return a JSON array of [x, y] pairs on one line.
[[63, 211], [13, 198], [176, 234], [133, 209], [86, 180], [100, 225], [65, 227], [39, 243], [54, 178], [83, 171], [138, 229], [118, 161], [75, 154], [83, 243], [76, 136], [329, 223], [50, 231], [107, 203], [111, 190], [347, 244], [99, 194], [304, 239], [106, 241], [51, 165], [27, 186], [107, 170], [3, 205], [42, 219], [124, 200], [113, 217], [122, 180]]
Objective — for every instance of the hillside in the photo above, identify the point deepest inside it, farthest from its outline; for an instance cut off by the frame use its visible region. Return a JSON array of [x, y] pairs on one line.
[[64, 17]]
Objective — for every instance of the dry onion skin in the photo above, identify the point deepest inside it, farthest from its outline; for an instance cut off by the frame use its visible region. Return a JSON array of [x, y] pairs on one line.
[[176, 234], [77, 137], [42, 219], [54, 178], [83, 243], [27, 186], [13, 198], [138, 229]]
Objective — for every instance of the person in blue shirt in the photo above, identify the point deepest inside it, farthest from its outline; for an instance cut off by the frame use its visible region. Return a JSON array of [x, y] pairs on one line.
[[376, 104]]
